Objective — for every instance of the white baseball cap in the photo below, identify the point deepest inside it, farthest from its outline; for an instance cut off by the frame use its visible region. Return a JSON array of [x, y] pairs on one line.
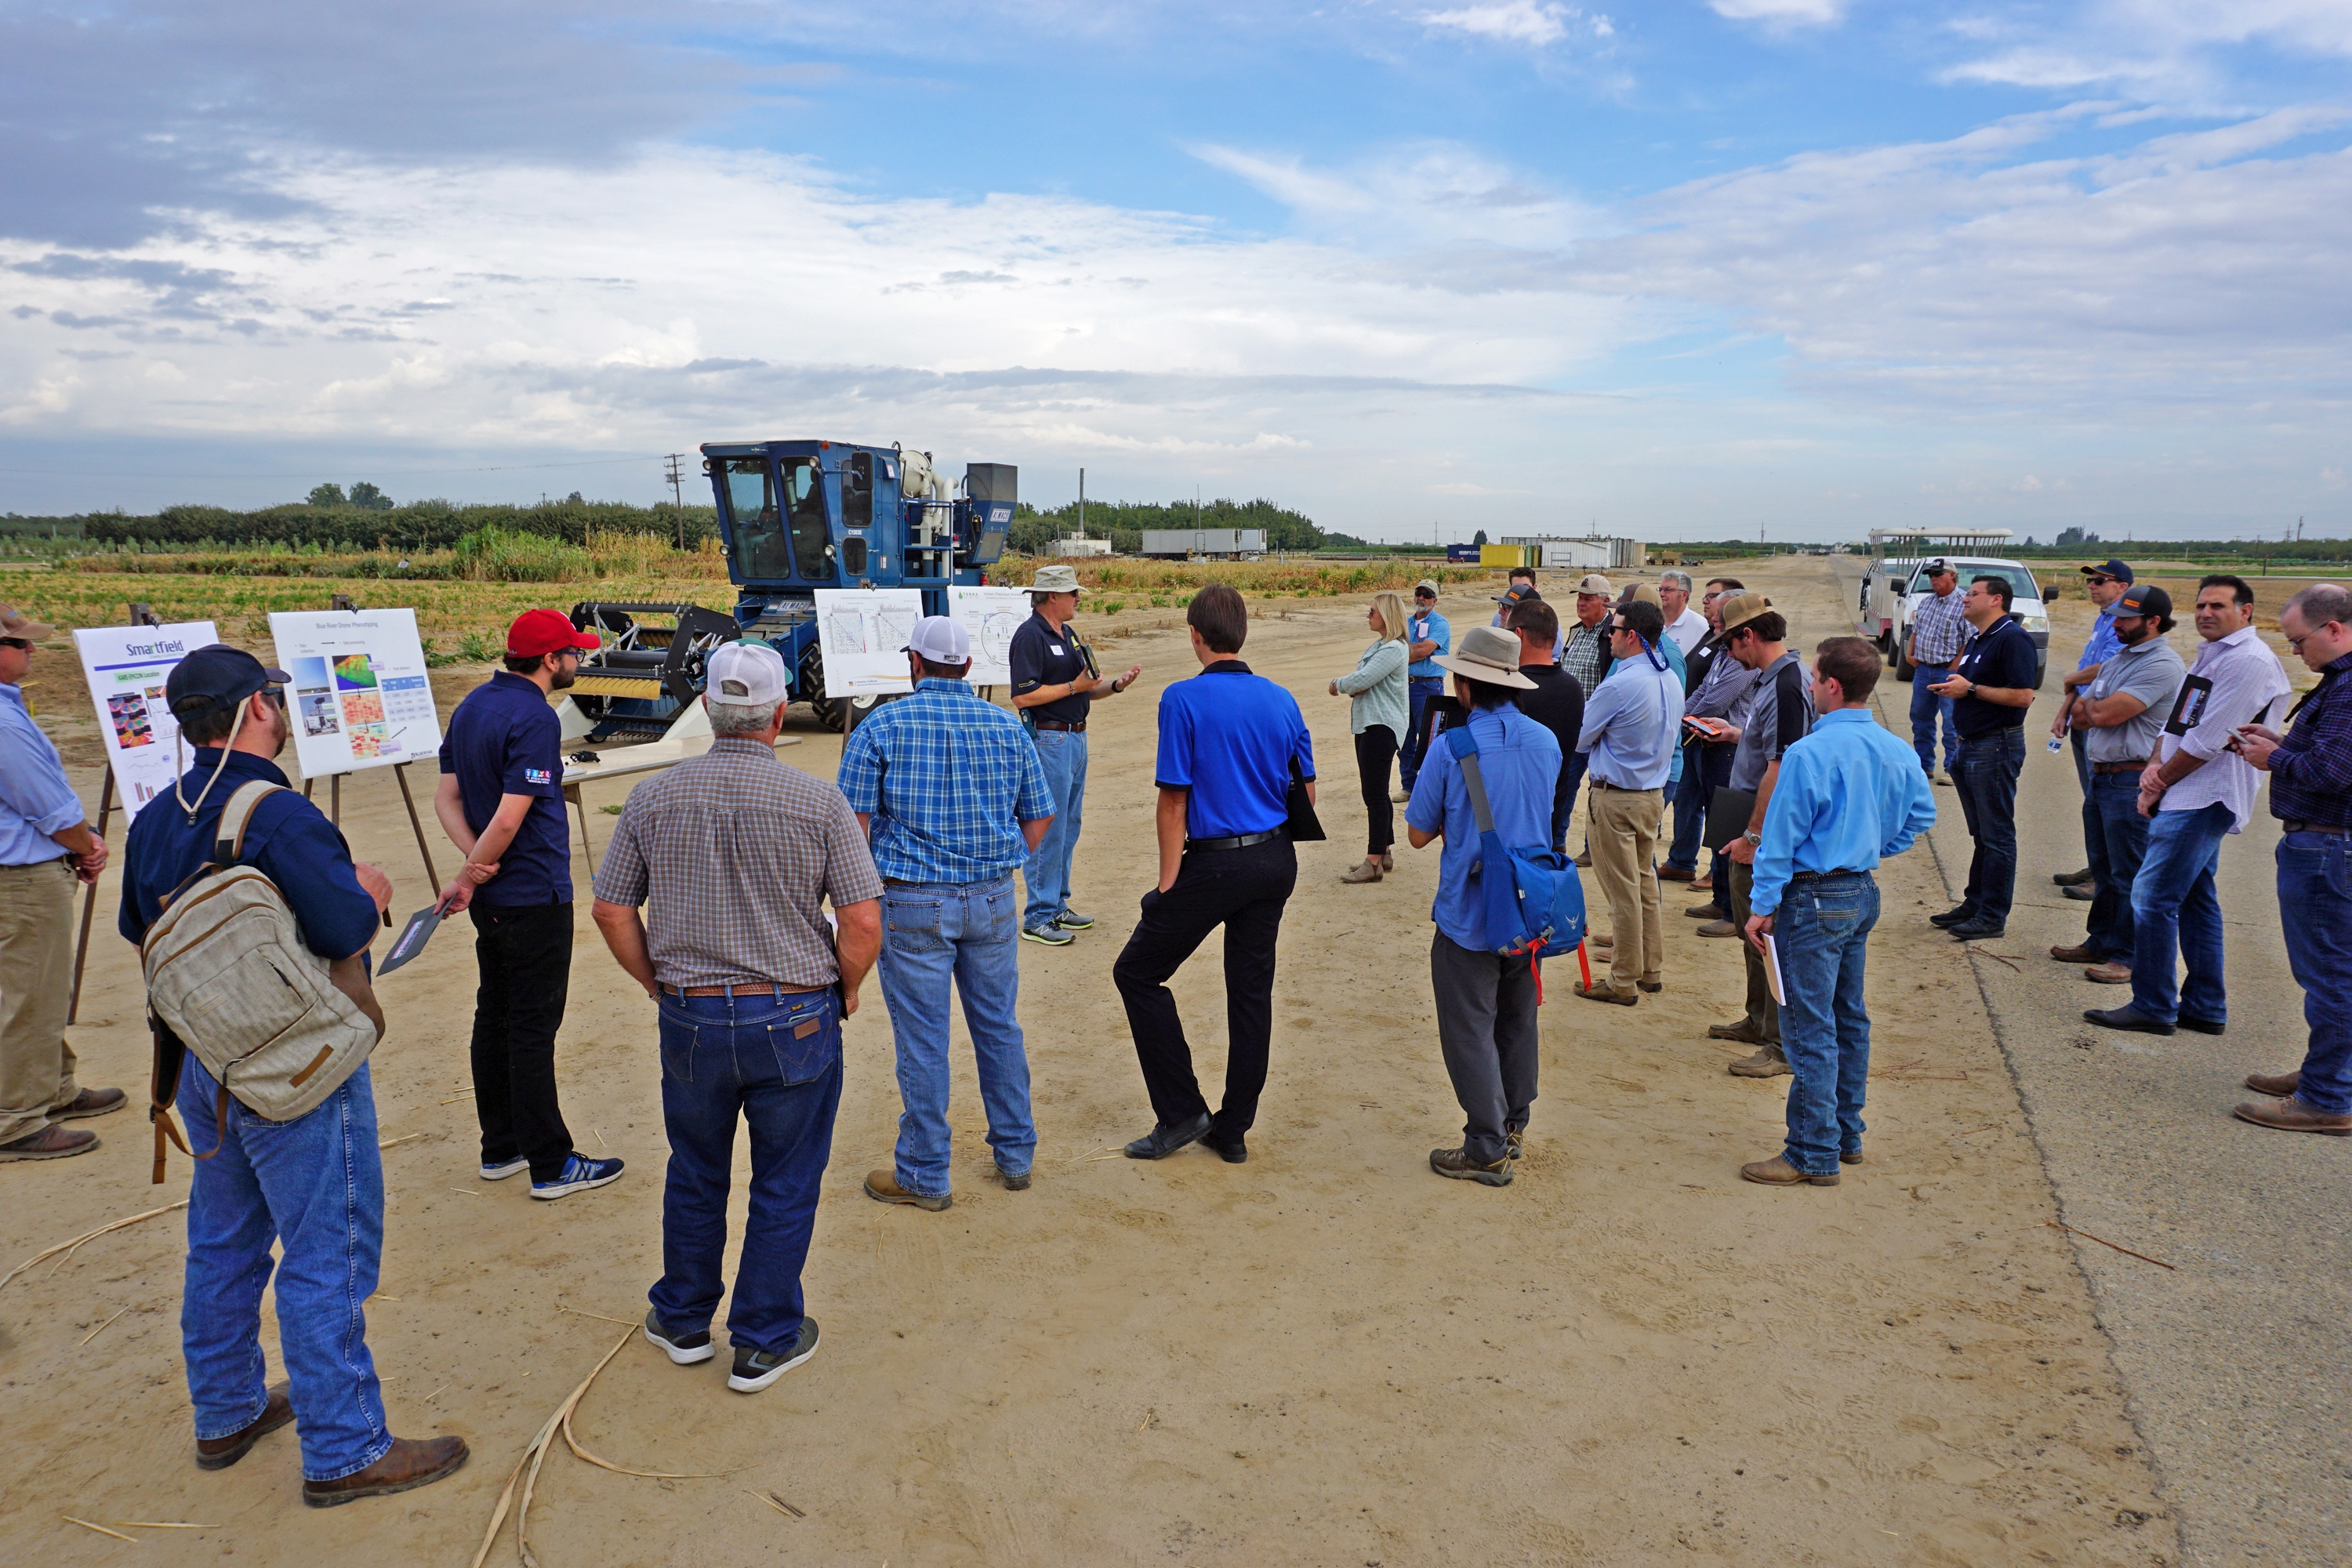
[[942, 640], [746, 674]]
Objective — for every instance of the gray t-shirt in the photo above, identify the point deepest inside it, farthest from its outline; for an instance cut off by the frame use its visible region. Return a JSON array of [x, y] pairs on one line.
[[1779, 714], [2151, 672]]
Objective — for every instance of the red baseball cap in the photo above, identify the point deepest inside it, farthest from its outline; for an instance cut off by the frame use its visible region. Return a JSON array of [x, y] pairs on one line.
[[545, 631]]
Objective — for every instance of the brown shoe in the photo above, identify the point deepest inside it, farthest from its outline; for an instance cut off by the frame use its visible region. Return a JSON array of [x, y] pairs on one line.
[[90, 1102], [1369, 872], [1651, 986], [1777, 1172], [2278, 1085], [409, 1463], [220, 1453], [2084, 894], [1703, 884], [1601, 990], [2081, 953], [1675, 874], [1585, 860], [1707, 912], [2108, 973], [1458, 1164], [883, 1187], [51, 1142], [1744, 1032], [2292, 1115], [1718, 928], [1770, 1061], [2081, 879], [1388, 860], [1853, 1158]]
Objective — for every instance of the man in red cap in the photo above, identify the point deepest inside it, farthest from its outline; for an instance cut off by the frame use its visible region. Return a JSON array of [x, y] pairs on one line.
[[501, 800]]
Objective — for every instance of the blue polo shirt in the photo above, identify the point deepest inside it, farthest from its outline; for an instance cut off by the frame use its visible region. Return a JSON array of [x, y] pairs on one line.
[[505, 740], [1229, 737], [1430, 627], [1519, 760], [36, 800], [289, 840]]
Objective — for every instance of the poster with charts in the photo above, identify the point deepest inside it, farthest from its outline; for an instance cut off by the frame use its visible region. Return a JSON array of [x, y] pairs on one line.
[[126, 667], [990, 616], [361, 697], [863, 634]]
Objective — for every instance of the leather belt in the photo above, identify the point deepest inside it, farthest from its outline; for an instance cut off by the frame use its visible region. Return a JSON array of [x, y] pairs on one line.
[[2131, 767], [2331, 829], [1059, 728], [1243, 842], [1823, 875], [760, 988]]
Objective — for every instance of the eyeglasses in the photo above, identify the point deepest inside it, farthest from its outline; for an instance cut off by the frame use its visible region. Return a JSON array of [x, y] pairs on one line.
[[2294, 643], [24, 643]]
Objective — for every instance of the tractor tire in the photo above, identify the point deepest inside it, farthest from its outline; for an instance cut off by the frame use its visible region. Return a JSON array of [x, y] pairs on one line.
[[832, 712]]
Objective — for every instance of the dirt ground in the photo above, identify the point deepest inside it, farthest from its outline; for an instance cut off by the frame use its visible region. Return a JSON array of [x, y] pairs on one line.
[[1325, 1356]]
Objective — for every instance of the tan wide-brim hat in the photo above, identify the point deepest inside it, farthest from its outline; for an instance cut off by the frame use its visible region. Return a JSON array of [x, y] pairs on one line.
[[1057, 580], [1489, 654], [1739, 610], [14, 624]]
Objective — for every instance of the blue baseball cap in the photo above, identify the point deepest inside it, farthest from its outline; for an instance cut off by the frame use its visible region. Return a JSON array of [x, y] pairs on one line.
[[2116, 569], [214, 679]]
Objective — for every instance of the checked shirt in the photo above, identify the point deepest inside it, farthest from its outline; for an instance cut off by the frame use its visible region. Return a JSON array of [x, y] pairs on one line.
[[947, 779], [2311, 772], [1939, 631]]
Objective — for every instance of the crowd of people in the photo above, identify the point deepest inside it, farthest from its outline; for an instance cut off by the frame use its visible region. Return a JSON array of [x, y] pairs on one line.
[[750, 900]]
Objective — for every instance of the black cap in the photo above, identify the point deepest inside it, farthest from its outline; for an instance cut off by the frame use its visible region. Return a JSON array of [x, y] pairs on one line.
[[214, 679], [2143, 600], [2112, 568]]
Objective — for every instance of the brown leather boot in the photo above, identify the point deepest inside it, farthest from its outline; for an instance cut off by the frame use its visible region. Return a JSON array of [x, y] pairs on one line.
[[883, 1187], [2292, 1115], [2278, 1085], [91, 1102], [51, 1142], [2081, 953], [1744, 1032], [409, 1463], [220, 1453], [1777, 1172]]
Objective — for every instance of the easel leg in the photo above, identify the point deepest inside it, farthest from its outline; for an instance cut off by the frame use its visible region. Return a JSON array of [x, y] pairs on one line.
[[587, 849], [89, 900], [400, 771], [335, 800]]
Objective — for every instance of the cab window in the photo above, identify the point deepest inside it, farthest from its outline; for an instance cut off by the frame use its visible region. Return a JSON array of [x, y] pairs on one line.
[[758, 522], [811, 539]]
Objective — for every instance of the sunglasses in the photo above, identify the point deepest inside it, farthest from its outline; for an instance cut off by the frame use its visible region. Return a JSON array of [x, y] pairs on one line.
[[24, 643], [2097, 582]]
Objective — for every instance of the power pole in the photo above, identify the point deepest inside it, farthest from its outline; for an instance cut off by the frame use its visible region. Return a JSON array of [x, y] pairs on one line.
[[676, 476], [1082, 503]]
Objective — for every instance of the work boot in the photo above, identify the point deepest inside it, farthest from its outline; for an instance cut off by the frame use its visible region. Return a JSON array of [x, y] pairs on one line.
[[51, 1142], [220, 1453], [1707, 912], [2277, 1085], [2081, 953], [1769, 1061], [1777, 1172], [1743, 1031], [409, 1463], [1603, 991], [2292, 1115], [90, 1102], [1721, 928], [1458, 1164], [1703, 884], [1677, 874], [883, 1187]]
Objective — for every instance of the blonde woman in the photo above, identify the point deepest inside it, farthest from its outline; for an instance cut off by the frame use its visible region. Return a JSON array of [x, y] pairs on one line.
[[1377, 686]]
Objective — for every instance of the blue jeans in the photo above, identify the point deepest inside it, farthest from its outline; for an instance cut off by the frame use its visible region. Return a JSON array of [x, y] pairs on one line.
[[1926, 706], [1706, 769], [933, 933], [2177, 914], [776, 1062], [1419, 690], [1822, 932], [315, 1186], [2117, 846], [1985, 774], [1571, 768], [2315, 890], [1047, 873]]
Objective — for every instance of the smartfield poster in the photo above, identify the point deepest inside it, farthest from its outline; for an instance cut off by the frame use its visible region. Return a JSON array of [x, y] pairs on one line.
[[126, 667]]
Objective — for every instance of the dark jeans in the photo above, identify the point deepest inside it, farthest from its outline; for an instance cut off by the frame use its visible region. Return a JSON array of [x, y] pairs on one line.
[[2176, 915], [1571, 768], [1986, 779], [1487, 1028], [776, 1062], [2117, 835], [1374, 747], [1762, 1015], [1419, 690], [524, 953], [2315, 891], [1706, 769], [1927, 709], [2078, 743], [1822, 930], [1242, 891]]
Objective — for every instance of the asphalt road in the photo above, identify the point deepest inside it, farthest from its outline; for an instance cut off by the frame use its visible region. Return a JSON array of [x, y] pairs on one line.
[[2235, 1359]]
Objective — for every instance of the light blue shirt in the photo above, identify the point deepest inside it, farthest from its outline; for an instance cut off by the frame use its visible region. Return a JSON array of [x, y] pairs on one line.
[[1849, 796], [1430, 627], [36, 800], [1633, 722], [2104, 641], [1519, 760], [1681, 667]]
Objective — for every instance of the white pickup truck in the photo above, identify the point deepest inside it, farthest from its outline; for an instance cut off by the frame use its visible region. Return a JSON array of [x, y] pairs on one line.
[[2027, 604]]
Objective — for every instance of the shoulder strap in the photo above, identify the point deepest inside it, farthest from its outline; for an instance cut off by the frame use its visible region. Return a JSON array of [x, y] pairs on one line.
[[228, 833], [1465, 751]]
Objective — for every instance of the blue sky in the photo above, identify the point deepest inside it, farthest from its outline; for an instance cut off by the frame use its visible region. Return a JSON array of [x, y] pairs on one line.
[[1678, 270]]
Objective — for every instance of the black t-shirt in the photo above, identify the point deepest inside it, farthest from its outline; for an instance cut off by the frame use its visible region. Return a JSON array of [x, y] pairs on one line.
[[2001, 657], [1044, 657], [1558, 704]]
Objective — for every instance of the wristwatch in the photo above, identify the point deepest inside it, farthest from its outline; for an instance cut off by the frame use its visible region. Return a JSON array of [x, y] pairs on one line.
[[1755, 839]]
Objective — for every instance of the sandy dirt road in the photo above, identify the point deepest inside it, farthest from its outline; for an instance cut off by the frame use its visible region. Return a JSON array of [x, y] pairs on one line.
[[1325, 1356]]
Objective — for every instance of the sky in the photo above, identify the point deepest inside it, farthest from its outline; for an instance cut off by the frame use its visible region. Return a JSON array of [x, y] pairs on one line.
[[1703, 269]]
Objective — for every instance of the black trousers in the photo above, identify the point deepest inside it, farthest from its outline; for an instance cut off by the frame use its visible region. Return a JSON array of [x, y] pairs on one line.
[[524, 953], [1242, 891], [1374, 748]]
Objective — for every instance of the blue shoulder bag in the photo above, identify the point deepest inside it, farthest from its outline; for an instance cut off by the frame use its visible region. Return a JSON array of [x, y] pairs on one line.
[[1536, 902]]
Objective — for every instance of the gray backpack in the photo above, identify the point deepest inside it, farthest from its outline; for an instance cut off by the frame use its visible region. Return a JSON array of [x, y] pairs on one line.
[[228, 978]]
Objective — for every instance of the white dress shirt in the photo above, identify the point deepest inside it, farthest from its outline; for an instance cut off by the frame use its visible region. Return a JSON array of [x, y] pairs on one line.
[[2250, 687]]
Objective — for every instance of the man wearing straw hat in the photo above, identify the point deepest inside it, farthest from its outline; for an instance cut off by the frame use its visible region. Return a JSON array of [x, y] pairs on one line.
[[1054, 685], [1486, 1002], [46, 848]]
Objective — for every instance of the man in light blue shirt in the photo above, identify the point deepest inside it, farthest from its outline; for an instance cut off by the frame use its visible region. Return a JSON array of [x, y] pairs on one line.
[[1631, 726], [1849, 795], [45, 847], [1428, 636]]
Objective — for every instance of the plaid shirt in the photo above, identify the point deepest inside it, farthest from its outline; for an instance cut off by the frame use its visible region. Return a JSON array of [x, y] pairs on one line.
[[1939, 632], [2311, 772], [737, 854], [1584, 654], [947, 779]]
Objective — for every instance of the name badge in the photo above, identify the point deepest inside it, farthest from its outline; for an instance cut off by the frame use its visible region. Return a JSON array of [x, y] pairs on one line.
[[1057, 651]]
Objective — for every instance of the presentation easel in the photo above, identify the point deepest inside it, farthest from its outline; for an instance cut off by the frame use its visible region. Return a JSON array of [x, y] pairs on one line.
[[141, 615], [345, 603]]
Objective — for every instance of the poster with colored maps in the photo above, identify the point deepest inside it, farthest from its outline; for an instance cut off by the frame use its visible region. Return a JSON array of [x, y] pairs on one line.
[[361, 697]]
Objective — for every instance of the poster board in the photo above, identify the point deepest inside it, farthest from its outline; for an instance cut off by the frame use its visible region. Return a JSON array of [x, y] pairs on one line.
[[125, 667], [864, 633], [990, 616], [361, 697]]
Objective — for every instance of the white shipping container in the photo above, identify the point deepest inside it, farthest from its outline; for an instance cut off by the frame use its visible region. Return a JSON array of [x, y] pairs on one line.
[[1181, 541]]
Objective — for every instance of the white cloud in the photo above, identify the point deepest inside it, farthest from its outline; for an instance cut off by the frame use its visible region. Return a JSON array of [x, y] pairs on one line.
[[2158, 48], [1536, 25], [1782, 13]]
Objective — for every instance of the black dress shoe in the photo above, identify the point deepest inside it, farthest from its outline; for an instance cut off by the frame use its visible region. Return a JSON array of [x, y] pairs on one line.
[[1164, 1140], [2202, 1026], [1978, 930], [1231, 1149], [1952, 917], [2126, 1017]]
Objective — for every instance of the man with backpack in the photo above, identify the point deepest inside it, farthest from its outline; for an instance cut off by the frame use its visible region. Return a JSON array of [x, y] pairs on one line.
[[1485, 1000], [312, 1183]]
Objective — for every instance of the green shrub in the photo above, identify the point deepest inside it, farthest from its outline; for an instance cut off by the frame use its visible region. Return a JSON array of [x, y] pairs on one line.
[[494, 554]]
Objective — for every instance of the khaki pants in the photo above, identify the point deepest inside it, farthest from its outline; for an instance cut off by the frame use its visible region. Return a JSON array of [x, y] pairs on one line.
[[1625, 824], [1763, 1016], [37, 930]]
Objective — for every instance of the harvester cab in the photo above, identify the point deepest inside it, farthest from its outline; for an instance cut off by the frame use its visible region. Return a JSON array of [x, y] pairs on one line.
[[794, 517]]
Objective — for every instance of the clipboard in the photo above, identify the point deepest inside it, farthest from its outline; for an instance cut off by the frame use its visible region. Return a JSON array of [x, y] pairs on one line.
[[412, 938], [1772, 969], [1727, 816]]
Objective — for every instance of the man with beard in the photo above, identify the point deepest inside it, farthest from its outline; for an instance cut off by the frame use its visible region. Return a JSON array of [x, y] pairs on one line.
[[501, 800]]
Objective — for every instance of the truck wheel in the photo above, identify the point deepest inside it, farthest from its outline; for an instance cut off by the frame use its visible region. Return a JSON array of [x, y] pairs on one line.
[[2041, 667], [1904, 668]]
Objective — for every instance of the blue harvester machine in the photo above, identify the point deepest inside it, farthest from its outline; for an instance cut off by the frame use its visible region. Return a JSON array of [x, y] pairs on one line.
[[795, 516]]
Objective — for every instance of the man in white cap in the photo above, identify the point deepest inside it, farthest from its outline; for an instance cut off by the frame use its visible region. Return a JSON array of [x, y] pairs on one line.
[[1054, 686], [952, 797], [1486, 1002], [733, 856]]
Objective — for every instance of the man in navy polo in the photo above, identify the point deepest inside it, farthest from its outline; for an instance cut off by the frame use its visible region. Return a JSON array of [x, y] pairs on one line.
[[1230, 742], [1053, 688], [501, 799]]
